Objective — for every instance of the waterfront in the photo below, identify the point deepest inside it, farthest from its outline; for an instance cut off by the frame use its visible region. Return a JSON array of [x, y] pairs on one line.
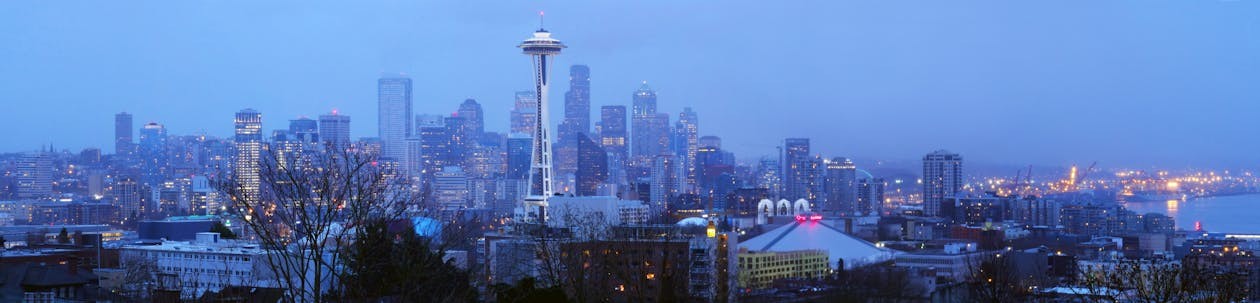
[[1232, 214]]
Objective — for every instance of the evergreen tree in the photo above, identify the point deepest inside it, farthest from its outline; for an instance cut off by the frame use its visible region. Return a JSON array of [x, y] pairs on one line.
[[63, 237], [223, 230]]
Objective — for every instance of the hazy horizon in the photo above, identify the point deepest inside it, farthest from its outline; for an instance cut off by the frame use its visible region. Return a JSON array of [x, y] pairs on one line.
[[1124, 83]]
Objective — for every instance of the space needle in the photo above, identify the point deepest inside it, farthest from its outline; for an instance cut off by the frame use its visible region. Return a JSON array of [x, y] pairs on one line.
[[542, 49]]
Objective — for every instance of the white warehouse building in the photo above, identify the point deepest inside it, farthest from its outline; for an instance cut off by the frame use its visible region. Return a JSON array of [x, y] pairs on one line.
[[207, 264]]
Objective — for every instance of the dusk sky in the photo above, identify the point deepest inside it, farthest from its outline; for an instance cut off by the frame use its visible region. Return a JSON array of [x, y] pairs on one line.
[[1169, 84]]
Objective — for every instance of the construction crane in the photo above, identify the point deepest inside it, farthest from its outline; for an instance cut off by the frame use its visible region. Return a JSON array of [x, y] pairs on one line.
[[1022, 182], [1084, 175]]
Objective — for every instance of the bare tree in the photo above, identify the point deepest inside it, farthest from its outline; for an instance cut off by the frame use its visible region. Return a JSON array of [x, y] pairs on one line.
[[304, 209], [138, 277], [1160, 281], [994, 278], [573, 262], [874, 283]]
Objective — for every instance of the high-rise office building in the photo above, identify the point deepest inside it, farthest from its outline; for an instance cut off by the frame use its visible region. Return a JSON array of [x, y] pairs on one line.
[[870, 196], [612, 130], [769, 175], [215, 154], [394, 105], [711, 141], [664, 182], [565, 151], [796, 163], [90, 155], [485, 162], [458, 142], [122, 135], [450, 190], [246, 166], [715, 174], [592, 168], [519, 149], [154, 155], [942, 178], [686, 141], [577, 102], [413, 165], [34, 175], [305, 130], [334, 130], [288, 148], [434, 148], [203, 198], [474, 119], [577, 119], [614, 138], [643, 140], [542, 49], [129, 196], [524, 112], [660, 135], [840, 182]]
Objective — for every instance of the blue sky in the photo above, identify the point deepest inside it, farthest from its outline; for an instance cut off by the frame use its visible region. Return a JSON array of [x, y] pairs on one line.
[[1127, 83]]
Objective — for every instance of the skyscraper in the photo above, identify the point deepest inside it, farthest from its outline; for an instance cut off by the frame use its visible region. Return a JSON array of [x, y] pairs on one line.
[[870, 196], [129, 196], [796, 178], [612, 131], [458, 141], [942, 178], [613, 137], [334, 130], [769, 175], [433, 148], [577, 119], [664, 182], [394, 105], [686, 141], [524, 113], [154, 157], [34, 175], [577, 101], [305, 130], [711, 141], [592, 168], [450, 190], [519, 148], [840, 193], [642, 136], [246, 166], [287, 147], [474, 118], [660, 134], [541, 48], [122, 134]]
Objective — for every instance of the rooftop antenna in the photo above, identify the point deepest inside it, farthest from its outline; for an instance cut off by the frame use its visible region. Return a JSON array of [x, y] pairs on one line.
[[540, 20]]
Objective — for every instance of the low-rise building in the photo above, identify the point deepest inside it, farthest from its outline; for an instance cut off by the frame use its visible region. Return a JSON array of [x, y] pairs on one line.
[[208, 263], [758, 269], [606, 210], [953, 262]]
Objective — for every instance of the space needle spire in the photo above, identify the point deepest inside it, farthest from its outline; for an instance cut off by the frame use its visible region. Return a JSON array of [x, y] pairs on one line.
[[542, 49]]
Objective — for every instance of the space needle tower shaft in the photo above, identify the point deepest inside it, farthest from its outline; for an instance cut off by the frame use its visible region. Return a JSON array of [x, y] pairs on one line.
[[542, 49]]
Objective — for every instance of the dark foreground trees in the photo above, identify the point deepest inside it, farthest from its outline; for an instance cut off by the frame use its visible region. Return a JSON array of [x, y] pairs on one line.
[[385, 266], [1146, 281], [528, 291], [313, 208]]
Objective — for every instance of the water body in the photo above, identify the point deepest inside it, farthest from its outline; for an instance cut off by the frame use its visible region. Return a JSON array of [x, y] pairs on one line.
[[1233, 214]]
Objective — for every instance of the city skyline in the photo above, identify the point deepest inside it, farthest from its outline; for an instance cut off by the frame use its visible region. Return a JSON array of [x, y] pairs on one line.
[[1173, 105], [779, 164]]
